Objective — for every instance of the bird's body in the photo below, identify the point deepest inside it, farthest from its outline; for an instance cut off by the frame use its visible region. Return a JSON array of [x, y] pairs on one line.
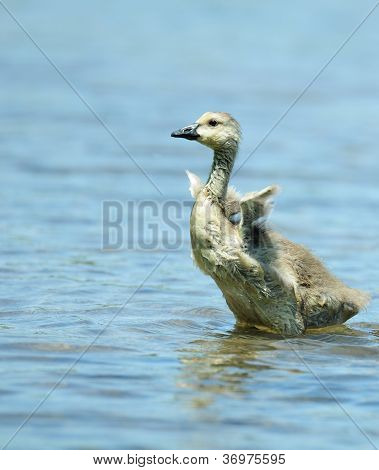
[[267, 280]]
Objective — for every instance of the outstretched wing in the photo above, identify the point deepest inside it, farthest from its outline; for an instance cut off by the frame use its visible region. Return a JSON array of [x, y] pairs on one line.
[[196, 185], [255, 208]]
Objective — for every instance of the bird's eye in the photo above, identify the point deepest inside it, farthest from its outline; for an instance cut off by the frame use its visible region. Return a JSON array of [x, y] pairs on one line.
[[213, 123]]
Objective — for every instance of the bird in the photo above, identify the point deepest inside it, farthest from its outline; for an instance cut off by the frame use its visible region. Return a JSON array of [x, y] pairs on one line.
[[268, 281]]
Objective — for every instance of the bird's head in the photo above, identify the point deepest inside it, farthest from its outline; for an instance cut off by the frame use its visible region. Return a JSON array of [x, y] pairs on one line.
[[215, 130]]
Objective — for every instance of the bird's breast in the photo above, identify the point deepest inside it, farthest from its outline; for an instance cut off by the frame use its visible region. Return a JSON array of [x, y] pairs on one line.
[[211, 233]]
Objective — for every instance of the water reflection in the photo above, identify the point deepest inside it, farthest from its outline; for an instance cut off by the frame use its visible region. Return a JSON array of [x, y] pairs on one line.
[[232, 363], [225, 363]]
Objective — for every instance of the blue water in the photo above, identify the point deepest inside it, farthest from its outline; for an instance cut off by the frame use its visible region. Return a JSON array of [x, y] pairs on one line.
[[171, 370]]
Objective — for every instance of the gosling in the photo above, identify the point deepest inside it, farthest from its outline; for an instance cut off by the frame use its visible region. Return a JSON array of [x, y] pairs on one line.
[[268, 281]]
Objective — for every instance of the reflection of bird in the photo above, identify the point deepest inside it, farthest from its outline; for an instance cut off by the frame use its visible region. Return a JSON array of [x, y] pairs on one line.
[[267, 280], [226, 363]]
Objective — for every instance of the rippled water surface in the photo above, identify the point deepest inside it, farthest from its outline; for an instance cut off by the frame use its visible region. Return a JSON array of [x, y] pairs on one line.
[[170, 370]]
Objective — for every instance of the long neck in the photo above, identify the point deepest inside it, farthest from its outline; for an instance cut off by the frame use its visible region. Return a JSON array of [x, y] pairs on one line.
[[222, 166]]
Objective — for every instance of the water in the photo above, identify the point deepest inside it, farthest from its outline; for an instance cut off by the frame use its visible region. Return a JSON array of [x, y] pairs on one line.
[[171, 370]]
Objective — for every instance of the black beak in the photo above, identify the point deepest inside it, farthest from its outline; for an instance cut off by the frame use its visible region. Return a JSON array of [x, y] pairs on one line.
[[188, 132]]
